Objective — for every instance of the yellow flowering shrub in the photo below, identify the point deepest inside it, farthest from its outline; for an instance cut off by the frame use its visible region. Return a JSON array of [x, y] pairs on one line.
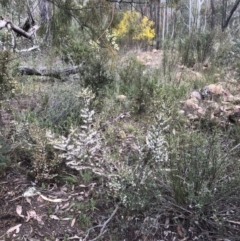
[[135, 27]]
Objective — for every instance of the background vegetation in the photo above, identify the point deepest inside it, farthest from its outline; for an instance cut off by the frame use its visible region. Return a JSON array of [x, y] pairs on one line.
[[117, 126]]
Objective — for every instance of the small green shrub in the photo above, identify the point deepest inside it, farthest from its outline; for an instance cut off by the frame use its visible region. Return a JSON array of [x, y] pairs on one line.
[[196, 48], [138, 84], [7, 82], [76, 50], [94, 72], [199, 167], [60, 107], [96, 75], [4, 152], [33, 149]]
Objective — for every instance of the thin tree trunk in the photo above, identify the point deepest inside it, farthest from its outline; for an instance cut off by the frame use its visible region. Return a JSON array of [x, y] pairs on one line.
[[213, 15], [158, 25], [164, 23], [224, 12], [190, 16], [226, 21]]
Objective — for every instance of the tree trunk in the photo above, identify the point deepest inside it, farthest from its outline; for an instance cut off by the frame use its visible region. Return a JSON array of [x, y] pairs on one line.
[[226, 21], [158, 25], [213, 15], [44, 8]]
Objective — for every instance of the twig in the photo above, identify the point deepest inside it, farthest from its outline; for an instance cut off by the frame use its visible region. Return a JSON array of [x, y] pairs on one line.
[[103, 226], [180, 207], [235, 147], [234, 222]]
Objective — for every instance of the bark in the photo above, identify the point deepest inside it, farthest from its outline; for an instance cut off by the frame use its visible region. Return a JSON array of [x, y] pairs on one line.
[[213, 15], [224, 12], [56, 73], [190, 17], [158, 25], [44, 8]]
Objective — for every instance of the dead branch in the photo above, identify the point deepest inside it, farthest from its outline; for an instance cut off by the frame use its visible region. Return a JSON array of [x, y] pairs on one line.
[[10, 26], [56, 73], [102, 226], [28, 50]]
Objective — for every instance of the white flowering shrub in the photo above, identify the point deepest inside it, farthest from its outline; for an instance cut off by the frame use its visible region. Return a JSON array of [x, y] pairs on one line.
[[83, 148], [138, 182], [156, 142]]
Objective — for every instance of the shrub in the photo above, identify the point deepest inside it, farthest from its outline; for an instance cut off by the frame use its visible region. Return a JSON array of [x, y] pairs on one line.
[[4, 152], [200, 167], [33, 149], [137, 83], [60, 107], [96, 75], [196, 48], [83, 148], [7, 83], [94, 72]]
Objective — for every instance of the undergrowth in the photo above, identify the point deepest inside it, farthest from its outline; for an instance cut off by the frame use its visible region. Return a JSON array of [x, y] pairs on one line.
[[151, 172]]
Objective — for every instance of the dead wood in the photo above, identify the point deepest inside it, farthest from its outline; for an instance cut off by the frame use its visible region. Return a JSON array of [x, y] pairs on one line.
[[56, 73], [20, 32]]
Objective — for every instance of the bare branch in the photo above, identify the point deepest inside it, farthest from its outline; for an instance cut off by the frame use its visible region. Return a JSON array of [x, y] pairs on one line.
[[103, 226]]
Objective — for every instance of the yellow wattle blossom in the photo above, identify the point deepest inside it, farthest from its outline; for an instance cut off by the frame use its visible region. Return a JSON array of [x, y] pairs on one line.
[[146, 31], [135, 27]]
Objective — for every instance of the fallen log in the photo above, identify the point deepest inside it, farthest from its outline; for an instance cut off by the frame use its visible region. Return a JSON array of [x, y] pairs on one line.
[[56, 73], [10, 26]]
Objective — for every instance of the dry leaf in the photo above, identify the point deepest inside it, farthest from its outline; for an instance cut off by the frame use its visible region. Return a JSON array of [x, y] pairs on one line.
[[54, 217], [33, 214], [65, 205], [57, 200], [75, 237], [19, 211], [174, 132], [28, 200], [73, 222], [184, 239], [15, 228], [179, 230], [39, 199], [166, 225], [28, 217], [31, 191]]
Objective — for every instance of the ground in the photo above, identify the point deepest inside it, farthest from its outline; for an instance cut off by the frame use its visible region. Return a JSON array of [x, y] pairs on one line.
[[37, 217]]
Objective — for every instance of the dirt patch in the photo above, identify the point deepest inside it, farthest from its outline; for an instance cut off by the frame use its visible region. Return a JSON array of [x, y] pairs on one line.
[[49, 213]]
